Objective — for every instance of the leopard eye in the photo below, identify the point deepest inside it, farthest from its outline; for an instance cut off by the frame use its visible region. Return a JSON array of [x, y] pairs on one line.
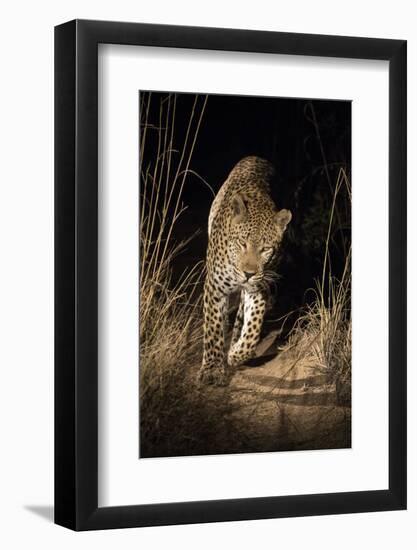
[[266, 250]]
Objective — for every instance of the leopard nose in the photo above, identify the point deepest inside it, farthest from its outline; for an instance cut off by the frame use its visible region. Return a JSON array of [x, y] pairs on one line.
[[248, 274]]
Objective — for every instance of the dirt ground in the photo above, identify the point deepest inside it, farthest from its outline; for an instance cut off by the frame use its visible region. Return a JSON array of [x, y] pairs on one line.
[[273, 403], [280, 403]]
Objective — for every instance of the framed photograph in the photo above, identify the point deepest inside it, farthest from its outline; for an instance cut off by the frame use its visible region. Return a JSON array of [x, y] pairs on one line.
[[230, 255]]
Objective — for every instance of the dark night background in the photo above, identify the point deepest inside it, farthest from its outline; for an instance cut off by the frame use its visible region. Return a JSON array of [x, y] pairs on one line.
[[308, 141]]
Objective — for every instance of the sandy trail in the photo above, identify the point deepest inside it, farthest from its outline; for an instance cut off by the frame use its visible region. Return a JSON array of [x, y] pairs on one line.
[[282, 404]]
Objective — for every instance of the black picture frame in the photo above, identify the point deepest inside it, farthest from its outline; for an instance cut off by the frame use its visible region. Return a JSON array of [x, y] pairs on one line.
[[76, 271]]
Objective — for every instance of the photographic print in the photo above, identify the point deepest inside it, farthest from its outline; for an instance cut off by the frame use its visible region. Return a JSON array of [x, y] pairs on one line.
[[245, 274]]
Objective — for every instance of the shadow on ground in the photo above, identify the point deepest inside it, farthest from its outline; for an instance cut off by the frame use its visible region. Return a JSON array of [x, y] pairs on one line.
[[45, 512], [282, 403]]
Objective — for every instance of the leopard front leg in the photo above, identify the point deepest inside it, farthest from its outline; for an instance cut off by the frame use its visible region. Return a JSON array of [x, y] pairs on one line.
[[237, 326], [245, 347], [213, 368]]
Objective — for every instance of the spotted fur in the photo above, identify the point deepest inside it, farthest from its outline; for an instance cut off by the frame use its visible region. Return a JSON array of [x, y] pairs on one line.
[[245, 231]]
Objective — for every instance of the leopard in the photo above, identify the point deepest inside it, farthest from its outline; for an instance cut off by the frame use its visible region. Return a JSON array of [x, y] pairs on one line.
[[245, 232]]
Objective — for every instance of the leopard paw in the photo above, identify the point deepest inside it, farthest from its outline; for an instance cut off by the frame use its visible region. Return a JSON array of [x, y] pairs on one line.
[[216, 376], [237, 356]]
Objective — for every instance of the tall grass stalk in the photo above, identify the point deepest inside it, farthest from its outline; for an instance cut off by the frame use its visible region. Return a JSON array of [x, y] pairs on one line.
[[175, 416], [168, 310], [322, 336]]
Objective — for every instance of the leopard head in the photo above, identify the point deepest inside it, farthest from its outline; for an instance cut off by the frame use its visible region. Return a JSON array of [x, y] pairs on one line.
[[256, 232]]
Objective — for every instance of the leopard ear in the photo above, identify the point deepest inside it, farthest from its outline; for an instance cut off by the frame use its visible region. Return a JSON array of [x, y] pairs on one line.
[[283, 218], [239, 209]]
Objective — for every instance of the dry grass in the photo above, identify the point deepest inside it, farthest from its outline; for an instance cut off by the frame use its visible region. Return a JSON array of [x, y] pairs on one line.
[[176, 418], [322, 335]]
